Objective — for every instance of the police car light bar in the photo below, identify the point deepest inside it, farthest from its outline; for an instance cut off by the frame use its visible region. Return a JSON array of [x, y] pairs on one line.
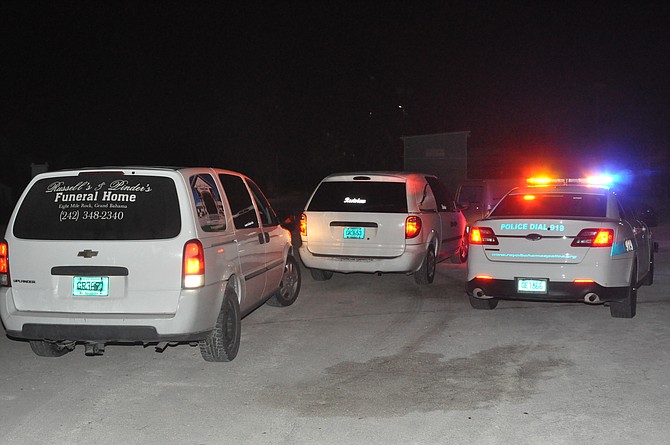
[[591, 180]]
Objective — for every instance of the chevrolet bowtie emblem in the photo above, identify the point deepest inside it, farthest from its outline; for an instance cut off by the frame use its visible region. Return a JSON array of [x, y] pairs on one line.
[[88, 253]]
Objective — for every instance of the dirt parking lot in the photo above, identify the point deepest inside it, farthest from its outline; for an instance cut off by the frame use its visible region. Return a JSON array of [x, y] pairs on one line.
[[367, 359]]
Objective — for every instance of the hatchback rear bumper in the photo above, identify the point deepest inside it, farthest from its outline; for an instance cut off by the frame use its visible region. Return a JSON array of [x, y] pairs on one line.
[[556, 291]]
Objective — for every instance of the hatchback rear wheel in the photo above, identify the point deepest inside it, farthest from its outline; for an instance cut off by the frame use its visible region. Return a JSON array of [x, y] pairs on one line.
[[321, 275]]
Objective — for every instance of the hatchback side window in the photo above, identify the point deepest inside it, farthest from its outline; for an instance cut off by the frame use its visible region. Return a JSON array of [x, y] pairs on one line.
[[445, 202], [268, 217], [241, 205]]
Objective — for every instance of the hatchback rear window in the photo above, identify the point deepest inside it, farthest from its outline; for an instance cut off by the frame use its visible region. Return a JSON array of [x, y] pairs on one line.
[[553, 204], [363, 196], [100, 206]]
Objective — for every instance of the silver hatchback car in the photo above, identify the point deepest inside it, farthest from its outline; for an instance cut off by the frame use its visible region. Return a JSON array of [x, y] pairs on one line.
[[379, 222]]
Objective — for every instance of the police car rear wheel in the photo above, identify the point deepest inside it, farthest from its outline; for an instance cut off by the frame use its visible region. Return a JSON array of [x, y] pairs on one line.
[[483, 303], [627, 307]]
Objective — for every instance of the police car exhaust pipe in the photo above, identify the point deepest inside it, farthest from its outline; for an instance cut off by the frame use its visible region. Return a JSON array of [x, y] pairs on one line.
[[591, 298], [479, 293]]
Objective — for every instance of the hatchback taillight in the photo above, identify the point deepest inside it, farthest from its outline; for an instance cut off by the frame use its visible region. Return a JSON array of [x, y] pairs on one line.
[[412, 227], [483, 236], [193, 265], [4, 264], [303, 225], [594, 238]]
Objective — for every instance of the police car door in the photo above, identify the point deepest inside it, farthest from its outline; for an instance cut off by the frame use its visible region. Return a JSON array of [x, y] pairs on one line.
[[452, 227]]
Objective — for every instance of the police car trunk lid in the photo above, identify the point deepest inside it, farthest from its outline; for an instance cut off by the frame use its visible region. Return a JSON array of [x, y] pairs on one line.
[[537, 240]]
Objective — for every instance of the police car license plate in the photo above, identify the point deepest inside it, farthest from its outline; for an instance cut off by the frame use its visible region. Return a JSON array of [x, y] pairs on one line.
[[90, 286], [531, 285], [354, 233]]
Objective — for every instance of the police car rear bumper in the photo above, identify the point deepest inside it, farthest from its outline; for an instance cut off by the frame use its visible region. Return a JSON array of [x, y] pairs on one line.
[[556, 291]]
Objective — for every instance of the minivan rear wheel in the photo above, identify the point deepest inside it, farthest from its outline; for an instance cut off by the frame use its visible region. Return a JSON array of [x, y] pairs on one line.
[[426, 274], [289, 286], [47, 349], [223, 342]]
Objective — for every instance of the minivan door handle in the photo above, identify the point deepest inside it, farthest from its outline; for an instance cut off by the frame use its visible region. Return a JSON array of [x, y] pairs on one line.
[[261, 240], [267, 237]]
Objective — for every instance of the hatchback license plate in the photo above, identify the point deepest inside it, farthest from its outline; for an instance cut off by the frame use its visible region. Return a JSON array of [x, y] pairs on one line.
[[354, 232], [90, 286], [531, 285]]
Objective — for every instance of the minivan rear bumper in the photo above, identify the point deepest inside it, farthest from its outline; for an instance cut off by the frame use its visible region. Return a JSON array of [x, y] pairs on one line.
[[409, 262], [195, 317]]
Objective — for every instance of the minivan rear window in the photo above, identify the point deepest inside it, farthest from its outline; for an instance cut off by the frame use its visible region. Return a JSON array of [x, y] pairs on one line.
[[100, 206], [359, 196], [552, 204]]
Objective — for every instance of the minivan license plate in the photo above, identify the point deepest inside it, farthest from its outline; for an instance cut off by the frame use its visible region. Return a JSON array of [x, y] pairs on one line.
[[90, 286], [531, 285], [354, 232]]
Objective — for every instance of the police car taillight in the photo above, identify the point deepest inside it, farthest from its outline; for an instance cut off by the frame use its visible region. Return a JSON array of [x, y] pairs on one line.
[[4, 264], [193, 265], [483, 236], [594, 238], [412, 227]]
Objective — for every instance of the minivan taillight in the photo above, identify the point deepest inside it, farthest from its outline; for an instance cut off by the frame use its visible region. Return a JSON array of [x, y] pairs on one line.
[[193, 266], [303, 225], [594, 238], [412, 227], [4, 264], [483, 236]]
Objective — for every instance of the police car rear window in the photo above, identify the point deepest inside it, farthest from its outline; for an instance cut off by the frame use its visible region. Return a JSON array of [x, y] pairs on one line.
[[99, 206], [571, 205], [359, 196]]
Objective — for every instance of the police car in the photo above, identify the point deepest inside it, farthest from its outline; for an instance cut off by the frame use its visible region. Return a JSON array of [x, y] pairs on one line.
[[560, 240]]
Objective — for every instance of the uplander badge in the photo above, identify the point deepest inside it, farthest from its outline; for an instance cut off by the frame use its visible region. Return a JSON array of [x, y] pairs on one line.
[[88, 253]]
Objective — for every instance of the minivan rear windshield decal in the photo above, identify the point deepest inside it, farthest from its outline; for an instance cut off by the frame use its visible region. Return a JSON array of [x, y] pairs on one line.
[[349, 200]]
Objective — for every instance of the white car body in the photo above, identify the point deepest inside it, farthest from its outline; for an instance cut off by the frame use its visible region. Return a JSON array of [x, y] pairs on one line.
[[100, 255], [357, 222], [560, 242]]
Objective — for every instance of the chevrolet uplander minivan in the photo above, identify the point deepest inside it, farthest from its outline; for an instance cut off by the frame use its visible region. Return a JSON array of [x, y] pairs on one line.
[[141, 255]]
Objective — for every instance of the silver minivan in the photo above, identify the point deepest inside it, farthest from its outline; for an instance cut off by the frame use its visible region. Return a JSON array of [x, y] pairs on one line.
[[381, 222], [141, 255]]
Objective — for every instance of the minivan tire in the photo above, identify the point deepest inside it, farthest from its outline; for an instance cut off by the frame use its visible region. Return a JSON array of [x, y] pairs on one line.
[[223, 342], [426, 273], [45, 349], [289, 286], [321, 275]]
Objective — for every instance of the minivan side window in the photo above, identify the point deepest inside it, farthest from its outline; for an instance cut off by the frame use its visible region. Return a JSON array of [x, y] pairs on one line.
[[241, 205], [445, 202], [208, 204], [268, 216]]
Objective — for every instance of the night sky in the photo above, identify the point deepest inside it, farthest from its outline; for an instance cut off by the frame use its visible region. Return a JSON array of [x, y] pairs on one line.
[[288, 92]]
